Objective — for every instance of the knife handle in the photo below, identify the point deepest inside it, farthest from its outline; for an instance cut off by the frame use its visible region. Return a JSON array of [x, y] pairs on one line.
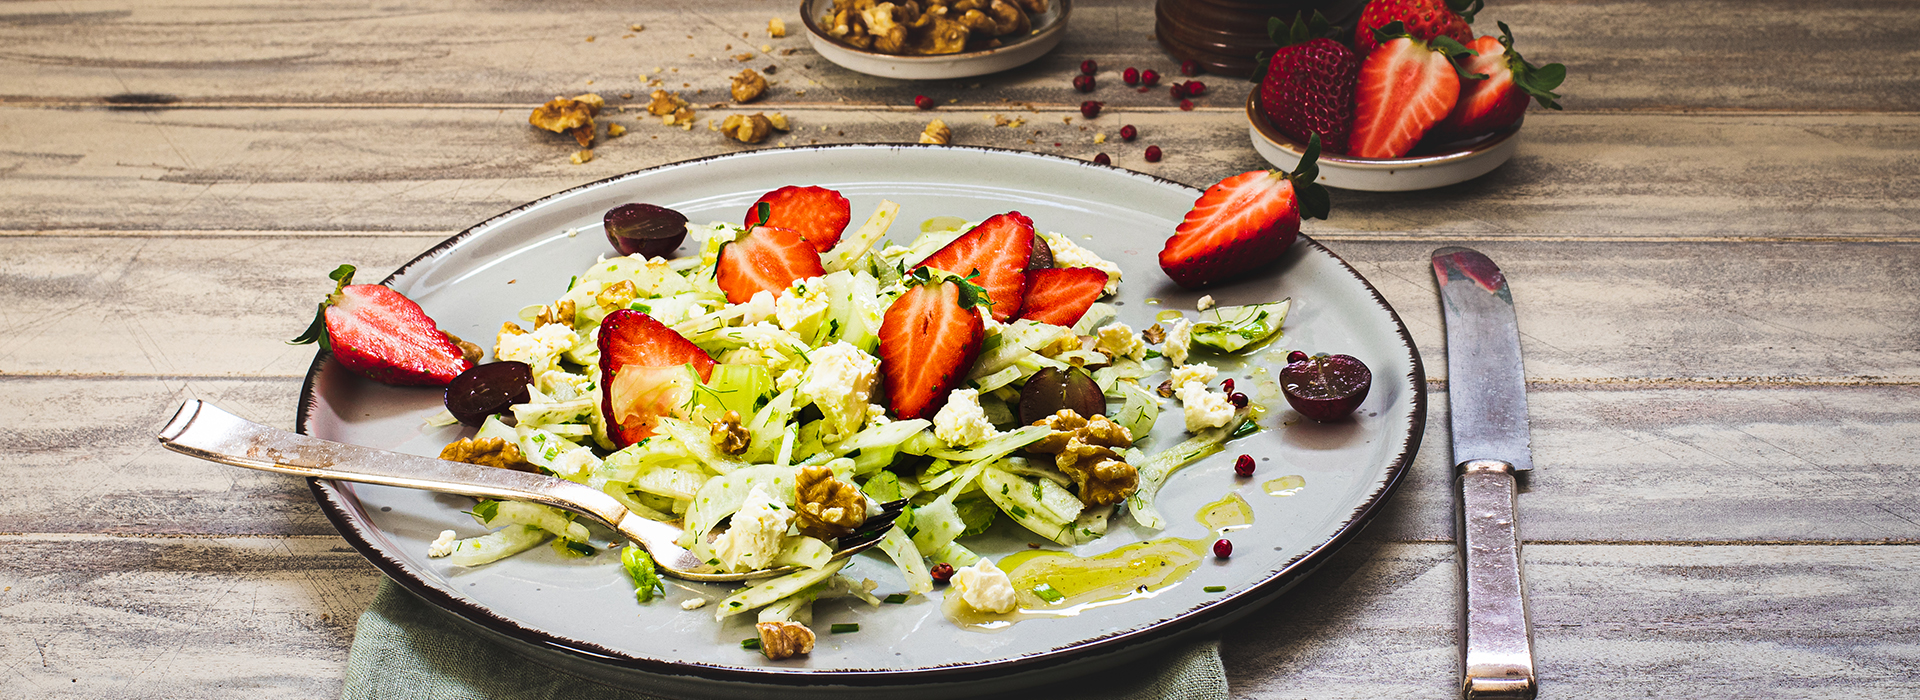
[[1496, 634]]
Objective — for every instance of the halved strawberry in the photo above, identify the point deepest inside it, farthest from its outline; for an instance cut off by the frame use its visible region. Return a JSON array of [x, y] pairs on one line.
[[1244, 223], [1489, 105], [643, 373], [998, 249], [818, 213], [766, 258], [1062, 295], [929, 338], [382, 335], [1406, 87], [1423, 19]]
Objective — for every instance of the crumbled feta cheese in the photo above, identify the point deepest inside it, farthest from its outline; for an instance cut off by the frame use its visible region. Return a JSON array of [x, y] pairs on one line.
[[443, 546], [766, 345], [802, 307], [1206, 302], [962, 421], [1203, 408], [1066, 253], [984, 587], [787, 380], [877, 414], [1118, 340], [712, 237], [1197, 374], [759, 307], [693, 604], [1179, 340], [755, 537], [573, 463], [841, 381], [539, 349]]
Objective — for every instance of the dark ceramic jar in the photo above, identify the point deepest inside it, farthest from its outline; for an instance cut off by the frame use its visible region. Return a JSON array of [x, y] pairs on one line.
[[1225, 35]]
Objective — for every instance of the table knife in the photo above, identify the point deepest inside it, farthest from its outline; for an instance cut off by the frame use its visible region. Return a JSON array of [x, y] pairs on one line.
[[1487, 405]]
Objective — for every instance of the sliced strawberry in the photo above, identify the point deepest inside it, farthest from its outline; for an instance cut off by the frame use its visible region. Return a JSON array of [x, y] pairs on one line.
[[382, 335], [818, 213], [642, 373], [1406, 87], [1492, 104], [998, 249], [1060, 296], [1244, 223], [765, 258], [929, 338]]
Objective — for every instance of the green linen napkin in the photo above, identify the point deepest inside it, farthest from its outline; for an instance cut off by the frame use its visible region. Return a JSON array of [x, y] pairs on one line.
[[406, 649]]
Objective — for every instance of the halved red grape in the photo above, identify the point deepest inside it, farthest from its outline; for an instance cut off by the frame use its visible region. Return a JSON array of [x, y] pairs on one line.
[[488, 389], [1042, 256], [645, 229], [1325, 387], [1050, 390]]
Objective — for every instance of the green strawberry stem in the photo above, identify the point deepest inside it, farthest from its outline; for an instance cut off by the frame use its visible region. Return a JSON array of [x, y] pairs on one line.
[[1538, 81], [1466, 9], [971, 294], [1312, 197], [1446, 45], [317, 332], [1284, 34]]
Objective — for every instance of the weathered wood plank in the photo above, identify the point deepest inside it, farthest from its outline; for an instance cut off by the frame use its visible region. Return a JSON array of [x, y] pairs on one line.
[[1619, 54], [1612, 176], [1761, 464], [1724, 312]]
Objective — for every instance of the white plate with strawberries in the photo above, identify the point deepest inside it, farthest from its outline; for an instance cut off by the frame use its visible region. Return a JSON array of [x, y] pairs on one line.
[[1316, 484]]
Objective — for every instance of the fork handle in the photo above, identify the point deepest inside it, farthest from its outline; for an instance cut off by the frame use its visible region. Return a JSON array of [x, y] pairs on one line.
[[205, 431]]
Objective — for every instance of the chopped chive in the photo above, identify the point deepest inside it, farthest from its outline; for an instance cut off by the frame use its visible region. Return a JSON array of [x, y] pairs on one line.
[[1047, 593], [750, 643], [897, 598], [845, 627], [1214, 589]]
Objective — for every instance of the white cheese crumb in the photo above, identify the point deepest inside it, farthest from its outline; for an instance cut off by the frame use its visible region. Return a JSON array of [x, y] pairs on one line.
[[1203, 408], [693, 604], [1118, 340], [1066, 253], [755, 537], [802, 307], [962, 421], [539, 349], [841, 381], [984, 587], [1206, 302], [442, 546], [788, 380], [1197, 374], [758, 308], [1179, 340]]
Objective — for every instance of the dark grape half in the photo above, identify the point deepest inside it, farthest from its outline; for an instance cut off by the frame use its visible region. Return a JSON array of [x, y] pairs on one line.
[[1042, 256], [488, 389], [1050, 390], [1326, 387], [645, 229]]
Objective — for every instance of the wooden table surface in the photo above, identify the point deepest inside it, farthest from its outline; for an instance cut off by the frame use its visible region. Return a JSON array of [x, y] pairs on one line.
[[1713, 252]]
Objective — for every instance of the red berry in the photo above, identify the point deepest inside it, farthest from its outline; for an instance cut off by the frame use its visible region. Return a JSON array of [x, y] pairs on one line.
[[1226, 385], [1102, 159], [1091, 108], [1153, 154], [1191, 67], [943, 571], [1177, 90], [1297, 356], [1128, 132], [1083, 83], [923, 102], [1149, 78], [1088, 67], [1196, 88], [1222, 548], [1244, 465], [1186, 105], [1130, 76], [1238, 399]]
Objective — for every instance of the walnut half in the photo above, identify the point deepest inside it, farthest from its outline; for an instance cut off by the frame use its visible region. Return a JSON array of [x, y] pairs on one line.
[[748, 86], [729, 435], [1087, 449], [491, 452], [780, 640], [828, 507], [569, 116]]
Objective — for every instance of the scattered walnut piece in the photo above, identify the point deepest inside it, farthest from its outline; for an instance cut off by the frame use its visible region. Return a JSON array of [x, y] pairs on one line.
[[748, 86], [779, 122], [616, 131], [580, 157], [1100, 138], [752, 128], [491, 452], [1154, 334], [729, 435], [636, 27], [1087, 449], [828, 507], [665, 103], [561, 312], [743, 57], [569, 116], [615, 296], [468, 351], [780, 640], [776, 28], [937, 133]]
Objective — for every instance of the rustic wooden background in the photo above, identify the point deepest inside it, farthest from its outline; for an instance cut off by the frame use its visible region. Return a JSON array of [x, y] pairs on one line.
[[1713, 251]]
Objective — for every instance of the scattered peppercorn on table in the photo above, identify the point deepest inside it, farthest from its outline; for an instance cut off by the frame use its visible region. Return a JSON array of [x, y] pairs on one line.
[[1712, 251]]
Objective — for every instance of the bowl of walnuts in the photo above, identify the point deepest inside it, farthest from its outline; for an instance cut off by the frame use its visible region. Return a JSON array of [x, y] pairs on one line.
[[934, 39]]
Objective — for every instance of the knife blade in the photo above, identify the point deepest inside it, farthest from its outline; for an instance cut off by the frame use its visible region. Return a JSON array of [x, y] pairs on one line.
[[1487, 407]]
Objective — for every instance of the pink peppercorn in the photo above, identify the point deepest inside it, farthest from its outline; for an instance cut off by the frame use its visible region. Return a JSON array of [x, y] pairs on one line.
[[1153, 154], [1244, 465], [1222, 549]]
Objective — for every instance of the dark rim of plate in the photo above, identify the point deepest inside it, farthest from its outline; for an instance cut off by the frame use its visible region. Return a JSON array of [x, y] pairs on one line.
[[334, 503]]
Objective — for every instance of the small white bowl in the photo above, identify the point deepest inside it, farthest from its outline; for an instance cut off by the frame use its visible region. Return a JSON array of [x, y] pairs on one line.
[[1048, 29], [1461, 162]]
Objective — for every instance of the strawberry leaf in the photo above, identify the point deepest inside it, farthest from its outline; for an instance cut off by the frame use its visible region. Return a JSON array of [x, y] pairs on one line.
[[764, 211], [1466, 9], [1538, 81], [1456, 54], [317, 331], [1314, 202]]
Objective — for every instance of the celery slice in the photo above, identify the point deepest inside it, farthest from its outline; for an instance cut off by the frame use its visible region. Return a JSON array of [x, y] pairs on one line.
[[766, 593], [494, 546], [1231, 328], [1155, 468]]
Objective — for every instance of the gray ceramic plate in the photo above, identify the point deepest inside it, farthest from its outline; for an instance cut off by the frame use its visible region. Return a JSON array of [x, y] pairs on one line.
[[582, 613]]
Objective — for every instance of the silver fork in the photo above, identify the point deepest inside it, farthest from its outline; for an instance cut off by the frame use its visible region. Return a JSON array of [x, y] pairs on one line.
[[205, 431]]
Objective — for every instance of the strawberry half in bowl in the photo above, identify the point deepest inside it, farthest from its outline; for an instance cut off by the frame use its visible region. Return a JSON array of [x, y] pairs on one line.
[[1426, 167]]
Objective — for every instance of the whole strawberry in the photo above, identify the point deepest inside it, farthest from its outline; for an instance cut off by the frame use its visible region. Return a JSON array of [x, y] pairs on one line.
[[1493, 103], [382, 335], [1424, 20], [1307, 87]]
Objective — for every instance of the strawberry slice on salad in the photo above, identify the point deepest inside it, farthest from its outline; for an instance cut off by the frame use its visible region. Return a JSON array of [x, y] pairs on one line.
[[819, 214], [1244, 223], [929, 338], [1061, 295], [647, 371], [765, 258], [1489, 105], [382, 335], [1406, 87], [999, 249]]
